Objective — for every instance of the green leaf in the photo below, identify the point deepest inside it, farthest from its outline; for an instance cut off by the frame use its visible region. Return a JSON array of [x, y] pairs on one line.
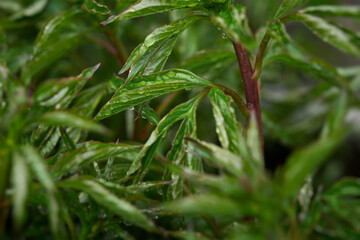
[[105, 198], [316, 67], [287, 6], [220, 157], [52, 28], [203, 204], [254, 143], [227, 126], [52, 42], [278, 32], [144, 88], [336, 119], [59, 94], [31, 10], [305, 162], [147, 7], [60, 118], [39, 169], [334, 10], [176, 155], [342, 39], [182, 154], [146, 154], [150, 56], [89, 152], [344, 188], [206, 60], [93, 6], [20, 180], [233, 22]]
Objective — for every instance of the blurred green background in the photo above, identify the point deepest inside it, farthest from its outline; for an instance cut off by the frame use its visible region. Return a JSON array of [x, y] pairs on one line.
[[293, 100]]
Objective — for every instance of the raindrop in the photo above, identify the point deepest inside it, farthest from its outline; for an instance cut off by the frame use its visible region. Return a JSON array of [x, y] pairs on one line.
[[171, 74]]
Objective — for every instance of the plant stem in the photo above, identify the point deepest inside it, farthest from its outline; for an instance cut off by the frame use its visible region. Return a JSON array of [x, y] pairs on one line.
[[260, 56], [250, 86]]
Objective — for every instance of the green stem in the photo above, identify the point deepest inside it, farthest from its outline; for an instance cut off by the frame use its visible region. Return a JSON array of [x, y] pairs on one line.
[[260, 56]]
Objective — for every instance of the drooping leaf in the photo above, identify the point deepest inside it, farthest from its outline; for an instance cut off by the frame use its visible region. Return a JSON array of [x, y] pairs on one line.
[[59, 94], [176, 155], [226, 124], [336, 118], [144, 88], [342, 39], [104, 197], [147, 7], [87, 153], [220, 157], [150, 56], [61, 118], [316, 67], [146, 154], [333, 10], [39, 170], [287, 6], [182, 154], [305, 162], [20, 181]]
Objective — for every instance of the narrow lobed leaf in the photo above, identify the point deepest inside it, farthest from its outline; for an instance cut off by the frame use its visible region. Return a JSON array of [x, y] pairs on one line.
[[144, 88], [104, 197], [147, 7]]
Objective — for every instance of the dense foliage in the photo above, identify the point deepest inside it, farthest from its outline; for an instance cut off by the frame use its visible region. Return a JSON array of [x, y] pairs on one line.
[[142, 119]]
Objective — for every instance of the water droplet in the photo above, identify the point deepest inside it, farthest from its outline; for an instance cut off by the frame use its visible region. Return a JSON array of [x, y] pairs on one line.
[[143, 83], [224, 36], [149, 41], [171, 74], [124, 99], [132, 109]]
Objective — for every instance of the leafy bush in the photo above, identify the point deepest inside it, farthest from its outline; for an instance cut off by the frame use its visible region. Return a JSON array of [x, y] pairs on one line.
[[167, 148]]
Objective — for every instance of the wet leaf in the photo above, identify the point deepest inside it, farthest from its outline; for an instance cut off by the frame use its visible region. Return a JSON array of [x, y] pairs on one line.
[[287, 6], [226, 124], [144, 88], [89, 152], [333, 10], [146, 154], [150, 56], [61, 118], [147, 7], [330, 33], [104, 197]]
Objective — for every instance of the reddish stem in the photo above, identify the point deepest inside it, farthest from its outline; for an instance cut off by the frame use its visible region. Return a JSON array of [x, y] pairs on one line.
[[250, 85]]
